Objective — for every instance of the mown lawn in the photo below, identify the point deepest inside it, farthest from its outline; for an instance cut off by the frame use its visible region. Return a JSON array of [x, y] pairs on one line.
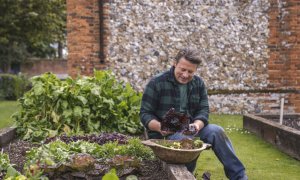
[[261, 159], [7, 108]]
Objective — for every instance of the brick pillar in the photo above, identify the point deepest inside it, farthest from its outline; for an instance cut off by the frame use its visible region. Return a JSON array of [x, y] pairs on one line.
[[83, 38], [284, 38]]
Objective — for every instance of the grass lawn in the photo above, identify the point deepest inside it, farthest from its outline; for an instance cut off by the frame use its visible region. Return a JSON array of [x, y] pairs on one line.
[[7, 108], [261, 159]]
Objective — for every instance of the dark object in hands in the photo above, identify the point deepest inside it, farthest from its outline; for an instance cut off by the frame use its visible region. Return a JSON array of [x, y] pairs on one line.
[[176, 122]]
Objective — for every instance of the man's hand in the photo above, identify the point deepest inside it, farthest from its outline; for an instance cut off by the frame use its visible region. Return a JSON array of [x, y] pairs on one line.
[[198, 124], [155, 125]]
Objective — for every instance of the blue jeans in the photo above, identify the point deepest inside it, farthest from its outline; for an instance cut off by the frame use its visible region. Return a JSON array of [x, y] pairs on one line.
[[222, 148]]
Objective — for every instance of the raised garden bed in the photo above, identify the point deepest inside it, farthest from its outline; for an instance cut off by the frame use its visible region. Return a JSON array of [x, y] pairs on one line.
[[7, 135], [285, 136], [148, 169]]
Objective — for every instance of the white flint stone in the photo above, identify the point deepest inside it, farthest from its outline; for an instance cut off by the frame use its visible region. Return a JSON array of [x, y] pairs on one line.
[[231, 36]]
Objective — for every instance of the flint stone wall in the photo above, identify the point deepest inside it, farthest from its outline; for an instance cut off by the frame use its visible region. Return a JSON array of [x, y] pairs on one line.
[[249, 103], [245, 45], [231, 35]]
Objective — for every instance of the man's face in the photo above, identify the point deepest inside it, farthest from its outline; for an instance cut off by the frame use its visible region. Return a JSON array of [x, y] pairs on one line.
[[184, 71]]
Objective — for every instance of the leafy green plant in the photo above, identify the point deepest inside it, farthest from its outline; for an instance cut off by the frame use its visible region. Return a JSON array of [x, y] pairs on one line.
[[57, 152], [10, 172], [4, 161], [34, 172], [111, 175], [181, 144], [79, 106], [135, 148]]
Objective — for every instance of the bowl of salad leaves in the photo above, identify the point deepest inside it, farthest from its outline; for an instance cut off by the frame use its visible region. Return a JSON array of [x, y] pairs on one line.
[[176, 151]]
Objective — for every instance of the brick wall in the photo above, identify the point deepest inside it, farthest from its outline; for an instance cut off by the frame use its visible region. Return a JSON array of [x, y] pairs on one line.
[[40, 66], [283, 43], [83, 37]]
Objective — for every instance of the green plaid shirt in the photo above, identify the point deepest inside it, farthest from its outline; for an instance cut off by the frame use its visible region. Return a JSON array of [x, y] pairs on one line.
[[162, 93]]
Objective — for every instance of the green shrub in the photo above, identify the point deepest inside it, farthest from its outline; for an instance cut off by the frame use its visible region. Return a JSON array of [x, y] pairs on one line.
[[12, 86], [84, 105]]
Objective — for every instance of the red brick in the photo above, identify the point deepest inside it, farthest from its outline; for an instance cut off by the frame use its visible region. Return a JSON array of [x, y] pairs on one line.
[[83, 37]]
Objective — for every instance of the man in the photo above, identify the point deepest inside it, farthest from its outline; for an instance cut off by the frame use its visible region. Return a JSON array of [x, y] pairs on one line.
[[179, 88]]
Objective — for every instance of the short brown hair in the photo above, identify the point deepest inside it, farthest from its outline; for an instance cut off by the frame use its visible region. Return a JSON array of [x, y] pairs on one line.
[[190, 54]]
